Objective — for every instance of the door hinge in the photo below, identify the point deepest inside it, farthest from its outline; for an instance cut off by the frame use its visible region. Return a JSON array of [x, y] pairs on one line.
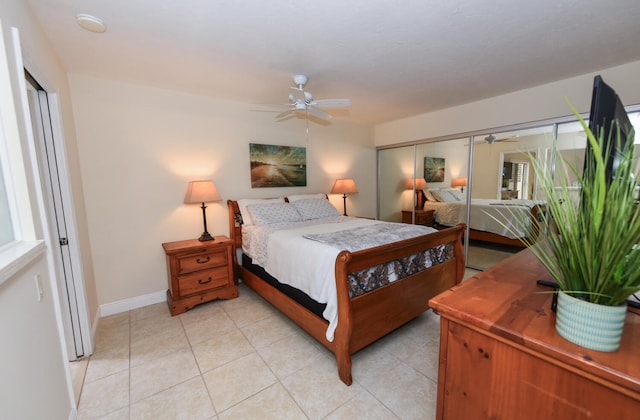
[[64, 241]]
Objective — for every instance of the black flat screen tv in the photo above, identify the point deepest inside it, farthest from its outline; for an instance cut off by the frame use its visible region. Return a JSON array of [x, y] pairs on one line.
[[606, 107]]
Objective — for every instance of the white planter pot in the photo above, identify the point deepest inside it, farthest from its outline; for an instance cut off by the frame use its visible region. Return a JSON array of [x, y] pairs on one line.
[[596, 327]]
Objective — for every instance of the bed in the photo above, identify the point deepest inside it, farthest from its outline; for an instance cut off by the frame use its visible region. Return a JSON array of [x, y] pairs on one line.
[[522, 216], [361, 293]]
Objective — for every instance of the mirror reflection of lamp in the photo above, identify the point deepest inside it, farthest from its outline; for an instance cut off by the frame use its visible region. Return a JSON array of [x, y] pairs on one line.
[[421, 185], [344, 186], [202, 192], [459, 182]]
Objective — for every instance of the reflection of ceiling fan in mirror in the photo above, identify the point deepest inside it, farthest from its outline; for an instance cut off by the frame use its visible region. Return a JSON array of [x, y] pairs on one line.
[[302, 103], [491, 139]]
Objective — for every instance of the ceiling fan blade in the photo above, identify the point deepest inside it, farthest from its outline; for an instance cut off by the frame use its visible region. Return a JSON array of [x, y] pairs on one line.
[[285, 114], [331, 103], [318, 113]]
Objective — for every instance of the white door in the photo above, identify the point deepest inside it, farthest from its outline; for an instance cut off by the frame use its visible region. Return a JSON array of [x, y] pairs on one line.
[[52, 164]]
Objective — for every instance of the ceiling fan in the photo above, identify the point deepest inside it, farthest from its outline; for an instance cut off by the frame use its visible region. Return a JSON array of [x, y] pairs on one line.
[[301, 101], [490, 139]]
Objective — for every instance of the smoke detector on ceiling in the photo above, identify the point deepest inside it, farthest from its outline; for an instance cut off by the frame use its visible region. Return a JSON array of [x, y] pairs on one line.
[[90, 23]]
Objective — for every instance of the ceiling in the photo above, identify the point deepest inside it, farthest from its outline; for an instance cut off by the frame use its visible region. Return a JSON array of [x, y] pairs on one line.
[[393, 59]]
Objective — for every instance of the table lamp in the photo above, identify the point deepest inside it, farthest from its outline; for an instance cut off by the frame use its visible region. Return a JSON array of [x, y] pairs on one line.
[[202, 192], [459, 182], [344, 186]]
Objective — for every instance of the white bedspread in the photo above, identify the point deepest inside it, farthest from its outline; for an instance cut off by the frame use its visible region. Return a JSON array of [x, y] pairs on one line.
[[518, 212], [308, 265]]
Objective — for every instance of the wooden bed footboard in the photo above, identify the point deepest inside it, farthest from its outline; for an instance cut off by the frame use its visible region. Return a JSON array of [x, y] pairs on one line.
[[366, 318]]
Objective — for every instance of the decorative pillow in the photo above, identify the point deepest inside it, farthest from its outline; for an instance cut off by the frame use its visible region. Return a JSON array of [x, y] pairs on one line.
[[429, 195], [266, 214], [457, 194], [298, 197], [243, 203], [448, 196], [436, 195], [315, 209], [445, 196]]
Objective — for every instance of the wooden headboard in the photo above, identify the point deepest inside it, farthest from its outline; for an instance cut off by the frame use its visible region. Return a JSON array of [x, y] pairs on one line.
[[235, 223]]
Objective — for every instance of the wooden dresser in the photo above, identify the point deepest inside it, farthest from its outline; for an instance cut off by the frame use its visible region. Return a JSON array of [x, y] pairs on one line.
[[423, 217], [501, 358], [199, 272]]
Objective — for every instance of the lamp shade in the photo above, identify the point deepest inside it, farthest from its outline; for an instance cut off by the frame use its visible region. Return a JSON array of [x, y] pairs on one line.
[[421, 184], [201, 192], [459, 182], [344, 186]]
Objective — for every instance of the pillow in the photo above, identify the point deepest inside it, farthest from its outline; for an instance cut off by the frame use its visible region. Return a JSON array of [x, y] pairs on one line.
[[436, 195], [429, 195], [457, 195], [297, 197], [444, 196], [243, 203], [315, 209], [266, 214], [448, 196]]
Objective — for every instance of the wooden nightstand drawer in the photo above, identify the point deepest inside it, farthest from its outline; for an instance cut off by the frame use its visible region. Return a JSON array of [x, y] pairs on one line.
[[199, 272], [422, 217], [201, 261], [203, 280]]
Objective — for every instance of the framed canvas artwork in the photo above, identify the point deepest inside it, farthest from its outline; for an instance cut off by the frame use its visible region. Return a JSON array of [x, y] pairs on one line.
[[277, 166], [433, 169]]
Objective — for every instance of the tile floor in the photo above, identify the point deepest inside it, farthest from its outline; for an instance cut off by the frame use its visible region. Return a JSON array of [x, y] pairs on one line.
[[240, 358]]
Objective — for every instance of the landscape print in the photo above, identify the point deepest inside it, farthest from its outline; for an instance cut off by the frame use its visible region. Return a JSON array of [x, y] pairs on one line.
[[277, 166], [433, 169]]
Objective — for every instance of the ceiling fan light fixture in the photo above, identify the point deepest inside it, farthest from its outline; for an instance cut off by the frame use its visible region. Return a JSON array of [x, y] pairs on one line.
[[90, 23], [300, 80]]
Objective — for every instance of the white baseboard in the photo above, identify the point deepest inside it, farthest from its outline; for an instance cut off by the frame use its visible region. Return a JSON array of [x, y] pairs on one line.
[[132, 303]]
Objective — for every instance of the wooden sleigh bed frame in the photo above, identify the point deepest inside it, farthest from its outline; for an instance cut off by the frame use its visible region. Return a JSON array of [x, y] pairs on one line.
[[365, 318]]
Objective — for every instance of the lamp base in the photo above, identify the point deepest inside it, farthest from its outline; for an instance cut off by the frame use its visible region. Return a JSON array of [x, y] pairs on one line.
[[206, 236]]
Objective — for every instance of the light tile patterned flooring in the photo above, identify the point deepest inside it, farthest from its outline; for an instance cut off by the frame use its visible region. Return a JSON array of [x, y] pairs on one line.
[[240, 358]]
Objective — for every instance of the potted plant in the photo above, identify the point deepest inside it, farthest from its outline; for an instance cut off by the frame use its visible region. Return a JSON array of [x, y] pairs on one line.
[[591, 246]]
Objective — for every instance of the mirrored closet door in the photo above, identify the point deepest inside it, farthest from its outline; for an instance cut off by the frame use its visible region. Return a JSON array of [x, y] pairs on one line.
[[471, 178]]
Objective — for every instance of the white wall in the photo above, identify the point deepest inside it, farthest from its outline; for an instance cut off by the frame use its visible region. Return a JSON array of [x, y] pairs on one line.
[[41, 61], [33, 381], [535, 104], [139, 147]]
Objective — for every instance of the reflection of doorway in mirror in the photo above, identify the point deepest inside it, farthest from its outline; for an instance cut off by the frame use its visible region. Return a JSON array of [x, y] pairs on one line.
[[516, 176]]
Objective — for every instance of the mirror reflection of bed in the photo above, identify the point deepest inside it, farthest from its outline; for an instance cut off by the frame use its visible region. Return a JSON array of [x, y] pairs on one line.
[[500, 171]]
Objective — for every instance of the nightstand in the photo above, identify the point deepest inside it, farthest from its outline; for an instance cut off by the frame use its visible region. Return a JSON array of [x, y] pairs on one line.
[[423, 217], [199, 272]]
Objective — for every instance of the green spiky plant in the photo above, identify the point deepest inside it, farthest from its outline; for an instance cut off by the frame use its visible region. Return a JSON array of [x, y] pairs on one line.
[[591, 247]]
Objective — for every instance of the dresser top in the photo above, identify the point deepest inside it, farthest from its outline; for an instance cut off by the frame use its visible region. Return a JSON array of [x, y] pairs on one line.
[[505, 301]]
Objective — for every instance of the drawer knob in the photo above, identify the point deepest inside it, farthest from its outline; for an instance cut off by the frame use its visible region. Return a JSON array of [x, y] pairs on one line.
[[206, 260], [200, 281]]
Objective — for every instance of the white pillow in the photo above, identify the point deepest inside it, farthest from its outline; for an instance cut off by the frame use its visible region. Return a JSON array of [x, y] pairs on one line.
[[444, 196], [266, 214], [448, 197], [298, 197], [429, 196], [437, 196], [458, 195], [315, 209], [243, 203]]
